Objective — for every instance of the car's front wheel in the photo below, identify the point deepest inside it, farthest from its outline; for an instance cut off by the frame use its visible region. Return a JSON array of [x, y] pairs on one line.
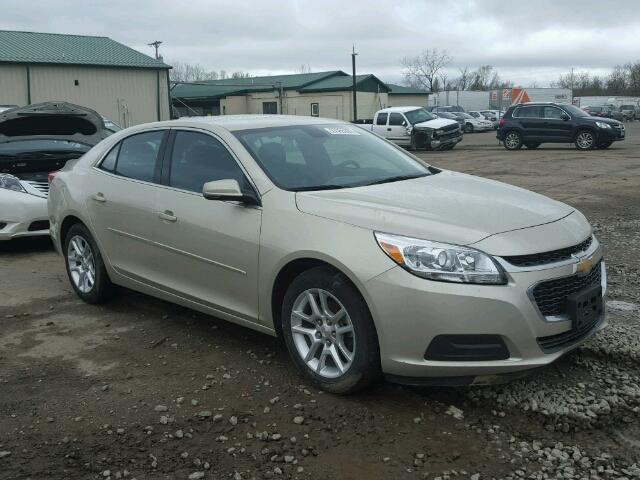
[[85, 267], [329, 331], [468, 128], [513, 140], [585, 140]]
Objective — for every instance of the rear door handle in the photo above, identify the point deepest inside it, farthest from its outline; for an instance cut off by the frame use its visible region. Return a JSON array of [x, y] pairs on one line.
[[167, 216], [99, 197]]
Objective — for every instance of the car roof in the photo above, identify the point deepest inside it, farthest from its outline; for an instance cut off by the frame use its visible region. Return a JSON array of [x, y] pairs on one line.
[[246, 122], [398, 109]]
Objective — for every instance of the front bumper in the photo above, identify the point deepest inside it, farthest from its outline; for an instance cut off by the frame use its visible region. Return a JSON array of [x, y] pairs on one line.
[[22, 215], [410, 312], [611, 134]]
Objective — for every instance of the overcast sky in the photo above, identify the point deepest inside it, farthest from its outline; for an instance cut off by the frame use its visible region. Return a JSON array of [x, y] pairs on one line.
[[527, 41]]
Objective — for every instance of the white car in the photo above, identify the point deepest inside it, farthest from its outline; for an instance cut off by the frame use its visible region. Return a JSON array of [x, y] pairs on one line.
[[475, 124], [34, 141]]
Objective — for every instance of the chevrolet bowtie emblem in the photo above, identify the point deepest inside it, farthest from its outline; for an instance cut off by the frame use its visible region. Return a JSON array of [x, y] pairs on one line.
[[584, 266]]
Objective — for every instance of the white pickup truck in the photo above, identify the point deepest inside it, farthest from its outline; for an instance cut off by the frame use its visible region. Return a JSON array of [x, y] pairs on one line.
[[415, 127]]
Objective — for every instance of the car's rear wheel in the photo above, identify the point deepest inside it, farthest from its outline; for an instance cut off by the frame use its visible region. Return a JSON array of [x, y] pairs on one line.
[[329, 331], [531, 146], [468, 128], [85, 267], [585, 140], [513, 140]]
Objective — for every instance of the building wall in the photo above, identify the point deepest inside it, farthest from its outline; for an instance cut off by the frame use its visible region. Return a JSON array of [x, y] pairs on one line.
[[235, 105], [408, 100], [127, 96], [13, 85]]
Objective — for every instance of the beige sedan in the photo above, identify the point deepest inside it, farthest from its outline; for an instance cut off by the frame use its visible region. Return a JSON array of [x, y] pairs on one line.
[[365, 260]]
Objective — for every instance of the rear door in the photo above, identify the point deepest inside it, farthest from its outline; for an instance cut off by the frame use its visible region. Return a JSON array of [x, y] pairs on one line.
[[209, 248], [121, 200], [530, 118], [380, 124], [397, 128]]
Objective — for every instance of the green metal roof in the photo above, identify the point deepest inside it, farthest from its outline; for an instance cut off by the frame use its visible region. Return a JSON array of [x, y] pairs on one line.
[[54, 48], [402, 90], [364, 83], [241, 86]]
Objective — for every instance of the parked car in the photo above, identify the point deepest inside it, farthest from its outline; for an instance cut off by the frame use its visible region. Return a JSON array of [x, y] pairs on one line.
[[628, 112], [363, 258], [416, 128], [447, 108], [34, 141], [452, 116], [474, 124], [531, 124], [611, 111], [494, 116]]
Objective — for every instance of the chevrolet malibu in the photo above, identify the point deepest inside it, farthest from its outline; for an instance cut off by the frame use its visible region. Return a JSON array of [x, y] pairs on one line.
[[363, 258]]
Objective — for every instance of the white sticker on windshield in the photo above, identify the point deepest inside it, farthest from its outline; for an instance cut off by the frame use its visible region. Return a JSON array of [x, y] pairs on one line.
[[341, 131]]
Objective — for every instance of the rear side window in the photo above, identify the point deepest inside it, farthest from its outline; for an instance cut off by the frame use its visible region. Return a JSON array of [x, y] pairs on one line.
[[135, 156], [527, 112], [382, 119], [396, 119], [552, 112], [197, 159]]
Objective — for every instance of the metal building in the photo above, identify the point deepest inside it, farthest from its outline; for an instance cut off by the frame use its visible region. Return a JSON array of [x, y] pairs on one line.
[[401, 96], [117, 81]]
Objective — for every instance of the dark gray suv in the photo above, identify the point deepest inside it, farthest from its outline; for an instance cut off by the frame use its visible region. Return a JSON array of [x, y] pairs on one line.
[[531, 124]]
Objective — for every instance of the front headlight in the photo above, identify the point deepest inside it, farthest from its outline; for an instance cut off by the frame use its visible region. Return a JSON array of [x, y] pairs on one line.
[[441, 261], [602, 125], [11, 183]]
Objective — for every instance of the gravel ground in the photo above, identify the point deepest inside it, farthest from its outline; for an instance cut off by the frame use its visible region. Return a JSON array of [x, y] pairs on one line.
[[140, 388]]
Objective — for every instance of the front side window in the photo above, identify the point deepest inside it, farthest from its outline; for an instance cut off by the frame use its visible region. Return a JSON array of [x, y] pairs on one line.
[[396, 119], [135, 156], [382, 119], [553, 112], [198, 158], [332, 156]]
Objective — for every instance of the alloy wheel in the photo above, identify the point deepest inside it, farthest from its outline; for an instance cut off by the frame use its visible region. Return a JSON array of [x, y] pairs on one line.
[[585, 140], [80, 260], [512, 141], [323, 333]]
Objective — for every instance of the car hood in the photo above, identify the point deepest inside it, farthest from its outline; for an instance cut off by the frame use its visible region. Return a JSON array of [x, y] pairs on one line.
[[594, 119], [435, 123], [448, 207], [52, 121]]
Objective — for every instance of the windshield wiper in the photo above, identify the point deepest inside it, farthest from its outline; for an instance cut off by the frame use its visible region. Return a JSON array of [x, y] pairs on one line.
[[397, 178], [318, 187]]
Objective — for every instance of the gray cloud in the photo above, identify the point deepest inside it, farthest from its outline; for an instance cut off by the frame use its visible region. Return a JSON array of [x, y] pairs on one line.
[[526, 41]]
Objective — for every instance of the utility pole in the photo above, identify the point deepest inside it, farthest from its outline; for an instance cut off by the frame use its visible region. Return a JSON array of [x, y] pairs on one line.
[[155, 44], [355, 92]]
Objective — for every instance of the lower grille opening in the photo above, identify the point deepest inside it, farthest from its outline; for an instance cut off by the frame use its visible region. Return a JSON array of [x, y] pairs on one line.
[[553, 343], [39, 225], [467, 348]]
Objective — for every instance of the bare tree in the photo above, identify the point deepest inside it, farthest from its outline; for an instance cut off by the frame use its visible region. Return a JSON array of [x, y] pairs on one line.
[[304, 68], [190, 72], [464, 78], [423, 69]]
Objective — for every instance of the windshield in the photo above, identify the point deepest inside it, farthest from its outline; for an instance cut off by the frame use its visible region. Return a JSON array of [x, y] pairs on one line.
[[49, 146], [575, 111], [419, 116], [322, 157]]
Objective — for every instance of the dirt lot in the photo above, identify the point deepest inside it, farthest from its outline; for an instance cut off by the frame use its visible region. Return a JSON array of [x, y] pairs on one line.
[[139, 388]]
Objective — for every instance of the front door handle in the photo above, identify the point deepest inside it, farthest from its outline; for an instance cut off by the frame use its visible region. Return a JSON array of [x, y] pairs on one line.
[[99, 197], [388, 129], [167, 216]]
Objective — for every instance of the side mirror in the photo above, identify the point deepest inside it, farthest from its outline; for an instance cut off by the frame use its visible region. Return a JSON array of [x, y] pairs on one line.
[[228, 190], [404, 123], [565, 117]]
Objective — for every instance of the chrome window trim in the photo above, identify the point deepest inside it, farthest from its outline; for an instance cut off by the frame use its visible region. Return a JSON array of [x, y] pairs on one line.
[[542, 118]]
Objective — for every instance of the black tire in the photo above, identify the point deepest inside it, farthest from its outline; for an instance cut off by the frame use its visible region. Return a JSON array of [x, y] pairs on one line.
[[365, 366], [585, 140], [102, 288], [468, 128], [513, 140], [531, 146], [605, 145]]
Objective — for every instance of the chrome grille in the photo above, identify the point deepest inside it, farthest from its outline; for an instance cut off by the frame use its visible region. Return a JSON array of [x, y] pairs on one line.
[[41, 186], [551, 296], [552, 256]]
